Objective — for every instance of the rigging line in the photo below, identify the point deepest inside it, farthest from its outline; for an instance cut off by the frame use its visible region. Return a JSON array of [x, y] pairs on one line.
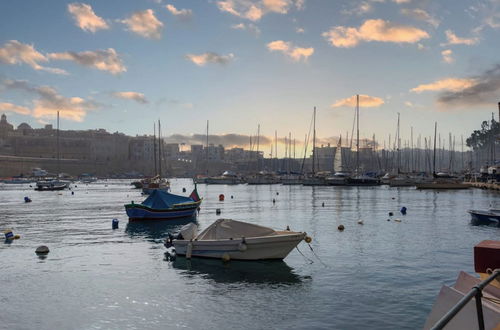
[[307, 143], [302, 254], [317, 257]]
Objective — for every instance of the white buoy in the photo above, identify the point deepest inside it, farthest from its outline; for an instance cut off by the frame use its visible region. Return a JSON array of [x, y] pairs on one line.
[[397, 220], [360, 222], [226, 257]]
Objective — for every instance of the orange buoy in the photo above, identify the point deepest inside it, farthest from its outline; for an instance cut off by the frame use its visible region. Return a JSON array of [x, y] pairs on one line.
[[221, 197]]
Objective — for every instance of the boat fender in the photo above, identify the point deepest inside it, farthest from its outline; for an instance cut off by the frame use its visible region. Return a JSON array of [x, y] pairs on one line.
[[189, 250], [114, 223], [341, 227], [226, 257], [403, 210], [308, 239], [8, 234], [242, 247]]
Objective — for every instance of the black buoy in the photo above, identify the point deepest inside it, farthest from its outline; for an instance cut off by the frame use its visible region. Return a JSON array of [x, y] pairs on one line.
[[72, 193], [217, 211], [323, 204], [183, 189], [274, 201], [27, 199], [114, 223], [42, 249], [391, 214], [403, 210], [231, 196], [277, 193], [340, 227]]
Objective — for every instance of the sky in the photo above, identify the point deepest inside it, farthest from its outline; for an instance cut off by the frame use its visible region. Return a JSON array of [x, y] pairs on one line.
[[123, 64]]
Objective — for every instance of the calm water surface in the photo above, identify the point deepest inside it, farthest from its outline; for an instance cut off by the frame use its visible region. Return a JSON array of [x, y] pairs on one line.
[[380, 275]]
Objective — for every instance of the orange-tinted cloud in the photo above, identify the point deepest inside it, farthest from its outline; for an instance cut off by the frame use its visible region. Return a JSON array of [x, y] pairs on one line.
[[209, 57], [14, 52], [447, 56], [138, 97], [105, 60], [145, 24], [374, 30], [184, 14], [447, 84], [9, 107], [287, 48], [365, 101], [454, 40], [85, 18]]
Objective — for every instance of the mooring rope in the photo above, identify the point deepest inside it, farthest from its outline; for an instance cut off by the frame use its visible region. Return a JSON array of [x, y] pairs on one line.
[[309, 260], [317, 257]]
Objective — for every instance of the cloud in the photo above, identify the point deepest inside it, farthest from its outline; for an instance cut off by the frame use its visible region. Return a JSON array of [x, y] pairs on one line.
[[454, 40], [183, 14], [483, 90], [105, 60], [145, 24], [447, 56], [365, 101], [287, 48], [14, 52], [373, 30], [421, 15], [247, 27], [209, 57], [85, 18], [254, 10], [447, 84], [9, 107], [138, 97], [401, 1], [49, 101], [300, 30], [359, 9]]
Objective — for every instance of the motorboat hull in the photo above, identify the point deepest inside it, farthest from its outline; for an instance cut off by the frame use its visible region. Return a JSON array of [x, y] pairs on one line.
[[137, 212], [255, 248], [485, 217], [442, 186]]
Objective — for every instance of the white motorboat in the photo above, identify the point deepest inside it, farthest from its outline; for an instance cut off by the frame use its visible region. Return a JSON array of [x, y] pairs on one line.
[[230, 239]]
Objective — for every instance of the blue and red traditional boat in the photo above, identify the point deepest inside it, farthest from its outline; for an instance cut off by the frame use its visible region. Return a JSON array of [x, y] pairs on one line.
[[161, 205]]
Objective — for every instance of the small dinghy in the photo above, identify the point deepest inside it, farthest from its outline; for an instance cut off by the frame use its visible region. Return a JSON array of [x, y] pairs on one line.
[[230, 239], [485, 216]]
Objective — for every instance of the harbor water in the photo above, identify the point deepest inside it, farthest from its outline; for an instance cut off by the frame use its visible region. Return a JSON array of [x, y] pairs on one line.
[[379, 275]]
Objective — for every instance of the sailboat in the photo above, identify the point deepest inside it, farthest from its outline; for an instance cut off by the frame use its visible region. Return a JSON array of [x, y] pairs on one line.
[[339, 178], [400, 179], [314, 179], [157, 182], [53, 184], [360, 179], [441, 180]]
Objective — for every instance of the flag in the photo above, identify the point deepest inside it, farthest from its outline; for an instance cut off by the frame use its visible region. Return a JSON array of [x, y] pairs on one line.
[[194, 195]]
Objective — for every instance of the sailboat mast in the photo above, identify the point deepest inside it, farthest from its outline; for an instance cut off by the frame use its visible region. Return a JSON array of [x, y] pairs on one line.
[[154, 149], [206, 152], [58, 155], [357, 133], [314, 142], [434, 156], [159, 148], [258, 140], [399, 148]]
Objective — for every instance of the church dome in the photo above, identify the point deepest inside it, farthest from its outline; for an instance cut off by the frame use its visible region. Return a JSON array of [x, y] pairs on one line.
[[23, 126]]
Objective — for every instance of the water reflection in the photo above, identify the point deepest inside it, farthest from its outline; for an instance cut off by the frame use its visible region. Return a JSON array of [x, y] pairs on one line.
[[155, 229], [269, 272]]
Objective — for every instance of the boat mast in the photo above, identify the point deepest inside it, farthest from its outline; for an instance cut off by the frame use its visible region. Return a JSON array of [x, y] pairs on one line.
[[159, 148], [154, 149], [258, 140], [434, 156], [58, 155], [206, 152], [399, 148], [314, 141], [357, 134]]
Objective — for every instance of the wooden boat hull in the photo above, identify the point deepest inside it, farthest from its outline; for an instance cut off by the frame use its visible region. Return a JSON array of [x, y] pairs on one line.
[[137, 212], [256, 248]]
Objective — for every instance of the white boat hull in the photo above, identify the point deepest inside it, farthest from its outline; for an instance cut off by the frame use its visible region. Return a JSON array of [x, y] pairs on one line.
[[253, 248]]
